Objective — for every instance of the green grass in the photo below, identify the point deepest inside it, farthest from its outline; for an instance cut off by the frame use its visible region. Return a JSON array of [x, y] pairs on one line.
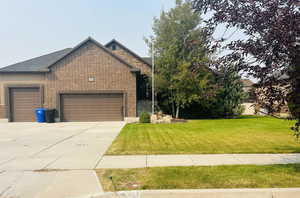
[[237, 176], [247, 134]]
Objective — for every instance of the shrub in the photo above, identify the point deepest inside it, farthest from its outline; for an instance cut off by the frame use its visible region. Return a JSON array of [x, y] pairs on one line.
[[144, 117]]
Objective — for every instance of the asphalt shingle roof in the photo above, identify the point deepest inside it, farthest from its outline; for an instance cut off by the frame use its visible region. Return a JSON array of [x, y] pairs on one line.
[[43, 63], [39, 64], [148, 60]]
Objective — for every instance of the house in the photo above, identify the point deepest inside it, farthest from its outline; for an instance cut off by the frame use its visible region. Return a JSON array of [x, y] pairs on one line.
[[89, 82], [250, 103], [256, 102]]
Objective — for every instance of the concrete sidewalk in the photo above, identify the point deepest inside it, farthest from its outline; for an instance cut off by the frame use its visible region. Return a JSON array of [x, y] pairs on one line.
[[142, 161]]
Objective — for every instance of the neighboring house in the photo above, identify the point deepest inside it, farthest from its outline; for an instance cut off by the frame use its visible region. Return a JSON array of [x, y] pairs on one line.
[[89, 82], [249, 103], [247, 86], [254, 103]]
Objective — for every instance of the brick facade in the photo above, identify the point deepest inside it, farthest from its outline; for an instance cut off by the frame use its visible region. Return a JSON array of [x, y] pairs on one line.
[[72, 73], [145, 69]]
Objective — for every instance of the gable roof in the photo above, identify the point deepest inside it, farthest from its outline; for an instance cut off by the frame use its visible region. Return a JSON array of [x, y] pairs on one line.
[[39, 64], [114, 41], [90, 39], [43, 63]]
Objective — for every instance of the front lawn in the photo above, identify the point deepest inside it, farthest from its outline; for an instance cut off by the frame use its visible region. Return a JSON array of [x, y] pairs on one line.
[[247, 134], [237, 176]]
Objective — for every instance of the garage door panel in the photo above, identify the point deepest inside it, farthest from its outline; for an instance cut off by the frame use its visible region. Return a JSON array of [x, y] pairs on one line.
[[92, 107], [23, 102]]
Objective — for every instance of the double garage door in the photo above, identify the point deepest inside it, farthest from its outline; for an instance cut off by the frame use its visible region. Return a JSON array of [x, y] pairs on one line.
[[73, 107], [91, 107]]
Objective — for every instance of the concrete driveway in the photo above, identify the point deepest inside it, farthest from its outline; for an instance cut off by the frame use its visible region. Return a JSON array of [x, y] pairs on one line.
[[42, 160]]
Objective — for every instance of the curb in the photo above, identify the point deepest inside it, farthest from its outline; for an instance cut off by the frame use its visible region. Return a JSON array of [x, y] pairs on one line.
[[205, 193]]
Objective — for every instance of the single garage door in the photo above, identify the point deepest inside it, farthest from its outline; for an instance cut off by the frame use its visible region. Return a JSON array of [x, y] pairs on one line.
[[92, 107], [23, 102]]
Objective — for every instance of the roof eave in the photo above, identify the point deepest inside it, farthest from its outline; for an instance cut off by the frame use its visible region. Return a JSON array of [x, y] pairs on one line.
[[135, 70], [40, 71], [20, 72]]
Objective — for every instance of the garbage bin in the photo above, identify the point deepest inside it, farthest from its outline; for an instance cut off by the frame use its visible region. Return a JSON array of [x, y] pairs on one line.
[[40, 115], [50, 115]]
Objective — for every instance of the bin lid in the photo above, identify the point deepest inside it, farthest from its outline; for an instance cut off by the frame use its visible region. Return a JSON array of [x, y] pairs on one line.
[[49, 109], [40, 109]]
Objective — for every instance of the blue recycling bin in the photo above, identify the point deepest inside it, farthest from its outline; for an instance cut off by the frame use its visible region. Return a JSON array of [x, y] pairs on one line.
[[40, 115]]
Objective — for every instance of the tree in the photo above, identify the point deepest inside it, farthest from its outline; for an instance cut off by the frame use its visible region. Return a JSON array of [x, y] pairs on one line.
[[181, 57], [270, 49], [231, 94]]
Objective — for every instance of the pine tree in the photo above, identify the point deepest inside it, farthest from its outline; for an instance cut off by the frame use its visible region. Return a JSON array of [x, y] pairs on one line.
[[231, 94]]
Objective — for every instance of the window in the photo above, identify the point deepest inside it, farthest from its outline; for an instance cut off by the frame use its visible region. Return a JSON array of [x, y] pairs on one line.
[[113, 47]]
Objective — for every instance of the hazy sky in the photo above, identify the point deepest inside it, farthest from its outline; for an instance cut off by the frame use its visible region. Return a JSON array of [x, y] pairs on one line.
[[35, 27]]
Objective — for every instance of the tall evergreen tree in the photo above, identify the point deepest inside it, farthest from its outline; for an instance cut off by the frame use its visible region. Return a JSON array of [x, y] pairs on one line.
[[181, 57], [231, 94]]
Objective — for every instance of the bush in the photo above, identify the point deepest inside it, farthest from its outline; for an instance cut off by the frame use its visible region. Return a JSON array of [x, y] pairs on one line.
[[144, 117]]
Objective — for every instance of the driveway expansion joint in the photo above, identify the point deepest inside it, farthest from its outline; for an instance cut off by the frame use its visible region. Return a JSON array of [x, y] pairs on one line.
[[60, 161], [63, 140]]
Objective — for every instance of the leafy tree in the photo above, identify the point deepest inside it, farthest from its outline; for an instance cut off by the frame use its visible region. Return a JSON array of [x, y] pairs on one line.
[[231, 94], [270, 49], [181, 57]]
